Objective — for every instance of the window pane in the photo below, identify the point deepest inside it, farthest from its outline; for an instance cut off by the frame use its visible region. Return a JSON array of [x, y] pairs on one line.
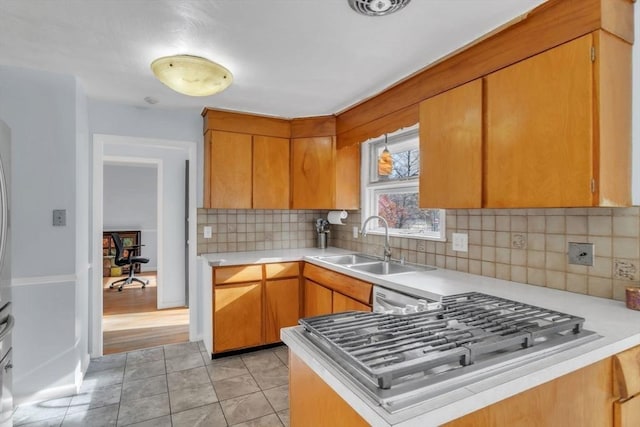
[[401, 211]]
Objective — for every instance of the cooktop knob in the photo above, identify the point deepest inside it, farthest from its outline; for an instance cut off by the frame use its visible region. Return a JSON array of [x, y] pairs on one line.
[[399, 310], [411, 308]]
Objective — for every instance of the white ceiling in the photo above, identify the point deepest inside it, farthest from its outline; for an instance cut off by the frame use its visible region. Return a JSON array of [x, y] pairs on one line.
[[289, 58]]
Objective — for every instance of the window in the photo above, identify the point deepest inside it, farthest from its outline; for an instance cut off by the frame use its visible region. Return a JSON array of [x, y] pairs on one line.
[[395, 196]]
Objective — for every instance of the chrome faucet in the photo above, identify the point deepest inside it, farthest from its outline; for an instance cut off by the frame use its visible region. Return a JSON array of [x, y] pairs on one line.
[[387, 246]]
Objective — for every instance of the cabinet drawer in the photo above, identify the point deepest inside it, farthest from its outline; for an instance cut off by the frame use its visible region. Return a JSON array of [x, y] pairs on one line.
[[627, 414], [626, 367], [354, 288], [282, 270], [245, 273]]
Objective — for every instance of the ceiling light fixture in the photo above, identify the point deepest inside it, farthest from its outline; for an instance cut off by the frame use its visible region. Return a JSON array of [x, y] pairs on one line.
[[377, 7], [191, 75]]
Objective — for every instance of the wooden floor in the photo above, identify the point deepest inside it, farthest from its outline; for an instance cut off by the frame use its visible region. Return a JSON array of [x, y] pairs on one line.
[[131, 321]]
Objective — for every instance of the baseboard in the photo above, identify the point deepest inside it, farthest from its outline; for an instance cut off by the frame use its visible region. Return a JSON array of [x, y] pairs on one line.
[[171, 304]]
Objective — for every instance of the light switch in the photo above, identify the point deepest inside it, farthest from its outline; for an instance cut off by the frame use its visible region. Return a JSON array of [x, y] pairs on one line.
[[460, 242], [355, 232], [207, 231], [59, 217]]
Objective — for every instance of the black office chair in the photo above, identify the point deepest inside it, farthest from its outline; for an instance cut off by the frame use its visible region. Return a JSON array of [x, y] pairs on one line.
[[130, 260]]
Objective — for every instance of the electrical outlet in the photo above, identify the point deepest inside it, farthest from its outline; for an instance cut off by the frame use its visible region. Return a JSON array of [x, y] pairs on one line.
[[59, 217], [581, 253], [460, 242], [207, 231], [355, 232]]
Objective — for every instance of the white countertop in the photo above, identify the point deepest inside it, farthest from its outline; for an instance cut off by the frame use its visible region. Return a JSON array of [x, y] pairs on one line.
[[618, 326], [268, 256]]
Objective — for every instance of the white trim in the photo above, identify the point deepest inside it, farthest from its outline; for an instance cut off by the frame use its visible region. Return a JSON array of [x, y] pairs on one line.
[[43, 280], [369, 184], [96, 308], [99, 141]]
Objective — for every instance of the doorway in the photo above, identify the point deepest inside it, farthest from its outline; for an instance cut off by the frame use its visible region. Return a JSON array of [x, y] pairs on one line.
[[144, 313], [131, 318]]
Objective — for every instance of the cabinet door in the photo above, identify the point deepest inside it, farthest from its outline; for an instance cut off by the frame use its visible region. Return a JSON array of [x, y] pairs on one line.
[[312, 173], [539, 130], [230, 170], [344, 303], [314, 403], [451, 148], [238, 316], [282, 307], [582, 398], [317, 299], [627, 414], [270, 173], [348, 177]]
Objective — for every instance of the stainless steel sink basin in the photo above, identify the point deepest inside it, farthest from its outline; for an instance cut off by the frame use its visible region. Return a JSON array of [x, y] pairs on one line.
[[349, 259], [372, 264], [386, 268]]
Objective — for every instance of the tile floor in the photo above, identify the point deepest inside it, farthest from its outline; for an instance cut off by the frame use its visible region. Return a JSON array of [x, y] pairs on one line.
[[176, 385]]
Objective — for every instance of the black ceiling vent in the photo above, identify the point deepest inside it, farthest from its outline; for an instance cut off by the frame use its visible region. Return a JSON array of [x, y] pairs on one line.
[[377, 7]]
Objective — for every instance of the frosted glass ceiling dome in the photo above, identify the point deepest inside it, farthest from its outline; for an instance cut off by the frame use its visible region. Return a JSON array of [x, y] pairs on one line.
[[192, 75]]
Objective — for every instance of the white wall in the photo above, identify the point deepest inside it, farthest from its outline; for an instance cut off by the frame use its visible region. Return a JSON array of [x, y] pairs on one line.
[[153, 122], [47, 115], [130, 203]]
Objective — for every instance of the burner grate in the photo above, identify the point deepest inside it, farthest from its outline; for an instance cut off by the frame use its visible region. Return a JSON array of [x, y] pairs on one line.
[[466, 328]]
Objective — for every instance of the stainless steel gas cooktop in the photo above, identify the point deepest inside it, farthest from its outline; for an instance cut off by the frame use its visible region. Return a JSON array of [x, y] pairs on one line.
[[400, 360]]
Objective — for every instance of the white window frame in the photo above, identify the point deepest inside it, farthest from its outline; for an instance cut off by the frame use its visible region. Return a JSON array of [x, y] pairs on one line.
[[371, 186]]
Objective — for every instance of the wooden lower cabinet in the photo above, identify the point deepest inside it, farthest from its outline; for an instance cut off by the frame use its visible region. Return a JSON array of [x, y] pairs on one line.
[[344, 303], [313, 403], [627, 413], [582, 398], [282, 307], [326, 291], [237, 316], [318, 300], [626, 374], [251, 303]]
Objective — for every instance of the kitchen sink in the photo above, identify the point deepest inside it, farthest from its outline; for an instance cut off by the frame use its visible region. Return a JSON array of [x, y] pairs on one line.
[[385, 268], [372, 264], [349, 259]]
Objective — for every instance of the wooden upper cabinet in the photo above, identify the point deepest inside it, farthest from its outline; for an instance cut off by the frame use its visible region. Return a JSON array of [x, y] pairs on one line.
[[451, 148], [229, 170], [313, 172], [347, 186], [270, 173], [557, 132]]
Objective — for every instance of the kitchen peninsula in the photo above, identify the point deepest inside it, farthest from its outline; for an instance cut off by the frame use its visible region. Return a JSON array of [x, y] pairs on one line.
[[617, 326]]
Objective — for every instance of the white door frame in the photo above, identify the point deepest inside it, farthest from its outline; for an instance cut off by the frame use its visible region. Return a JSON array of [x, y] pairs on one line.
[[95, 294]]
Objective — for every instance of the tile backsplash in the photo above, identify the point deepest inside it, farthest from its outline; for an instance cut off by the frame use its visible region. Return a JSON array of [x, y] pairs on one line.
[[521, 245], [527, 246], [235, 230]]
